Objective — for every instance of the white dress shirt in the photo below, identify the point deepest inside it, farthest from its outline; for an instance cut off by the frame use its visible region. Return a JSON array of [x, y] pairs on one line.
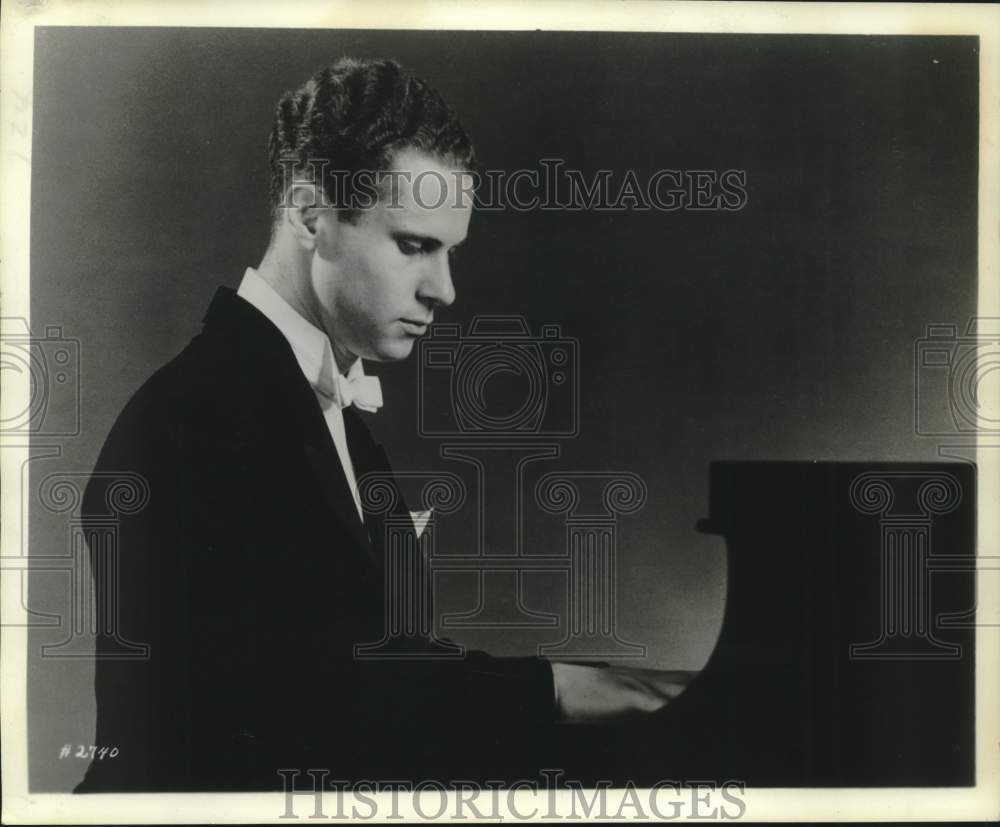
[[314, 354]]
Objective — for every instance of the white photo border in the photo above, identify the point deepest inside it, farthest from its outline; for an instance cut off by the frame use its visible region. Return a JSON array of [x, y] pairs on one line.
[[21, 17]]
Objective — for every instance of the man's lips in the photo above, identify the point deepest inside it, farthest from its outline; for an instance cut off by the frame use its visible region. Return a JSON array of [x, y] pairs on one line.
[[416, 325]]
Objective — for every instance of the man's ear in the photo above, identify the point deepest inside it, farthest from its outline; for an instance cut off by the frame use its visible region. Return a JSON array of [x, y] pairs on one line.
[[305, 204]]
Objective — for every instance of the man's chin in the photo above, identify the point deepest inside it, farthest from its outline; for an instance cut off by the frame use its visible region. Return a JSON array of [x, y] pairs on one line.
[[393, 350]]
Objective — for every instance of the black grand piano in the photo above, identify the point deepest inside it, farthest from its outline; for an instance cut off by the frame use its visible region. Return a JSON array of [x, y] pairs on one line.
[[846, 654]]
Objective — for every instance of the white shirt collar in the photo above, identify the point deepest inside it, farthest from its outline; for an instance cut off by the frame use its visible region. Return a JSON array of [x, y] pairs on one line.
[[310, 345]]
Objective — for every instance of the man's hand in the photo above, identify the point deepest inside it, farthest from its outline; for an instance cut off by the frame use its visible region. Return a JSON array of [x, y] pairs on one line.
[[588, 694]]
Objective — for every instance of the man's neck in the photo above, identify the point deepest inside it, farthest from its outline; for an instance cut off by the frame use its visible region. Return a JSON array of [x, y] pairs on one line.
[[285, 278]]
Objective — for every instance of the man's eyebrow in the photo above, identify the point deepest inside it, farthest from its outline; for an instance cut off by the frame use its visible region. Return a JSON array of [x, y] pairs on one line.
[[430, 242]]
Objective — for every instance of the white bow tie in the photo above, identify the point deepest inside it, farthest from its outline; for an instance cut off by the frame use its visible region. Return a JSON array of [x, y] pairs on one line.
[[364, 392]]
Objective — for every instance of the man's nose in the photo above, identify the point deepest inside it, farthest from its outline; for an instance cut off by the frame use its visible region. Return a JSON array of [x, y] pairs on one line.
[[436, 286]]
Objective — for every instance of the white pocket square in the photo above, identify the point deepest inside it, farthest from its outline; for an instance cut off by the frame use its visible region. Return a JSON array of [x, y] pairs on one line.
[[420, 519]]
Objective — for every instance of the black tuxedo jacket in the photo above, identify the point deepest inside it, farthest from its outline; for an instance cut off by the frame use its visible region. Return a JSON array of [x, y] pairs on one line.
[[251, 578]]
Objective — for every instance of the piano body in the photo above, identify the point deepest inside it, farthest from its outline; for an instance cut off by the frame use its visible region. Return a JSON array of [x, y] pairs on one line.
[[846, 653]]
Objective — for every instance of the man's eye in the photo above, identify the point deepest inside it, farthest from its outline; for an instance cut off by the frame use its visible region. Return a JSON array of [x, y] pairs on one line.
[[408, 247]]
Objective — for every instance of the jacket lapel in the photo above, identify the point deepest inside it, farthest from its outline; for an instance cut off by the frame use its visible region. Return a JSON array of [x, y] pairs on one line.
[[321, 457], [369, 457]]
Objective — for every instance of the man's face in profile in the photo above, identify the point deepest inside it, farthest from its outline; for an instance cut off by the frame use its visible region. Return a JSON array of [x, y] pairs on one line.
[[378, 280]]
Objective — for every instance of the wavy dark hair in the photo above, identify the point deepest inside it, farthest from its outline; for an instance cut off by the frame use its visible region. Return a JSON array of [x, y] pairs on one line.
[[354, 116]]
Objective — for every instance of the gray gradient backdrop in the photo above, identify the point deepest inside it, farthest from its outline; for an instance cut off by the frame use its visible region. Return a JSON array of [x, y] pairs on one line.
[[782, 331]]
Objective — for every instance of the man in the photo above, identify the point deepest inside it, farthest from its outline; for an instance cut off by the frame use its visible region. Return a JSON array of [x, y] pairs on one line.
[[253, 571]]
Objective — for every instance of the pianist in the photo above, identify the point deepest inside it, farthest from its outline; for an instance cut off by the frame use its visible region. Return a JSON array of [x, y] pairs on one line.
[[250, 573]]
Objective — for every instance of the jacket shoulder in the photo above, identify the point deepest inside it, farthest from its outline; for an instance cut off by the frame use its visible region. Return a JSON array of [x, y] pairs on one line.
[[187, 387]]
